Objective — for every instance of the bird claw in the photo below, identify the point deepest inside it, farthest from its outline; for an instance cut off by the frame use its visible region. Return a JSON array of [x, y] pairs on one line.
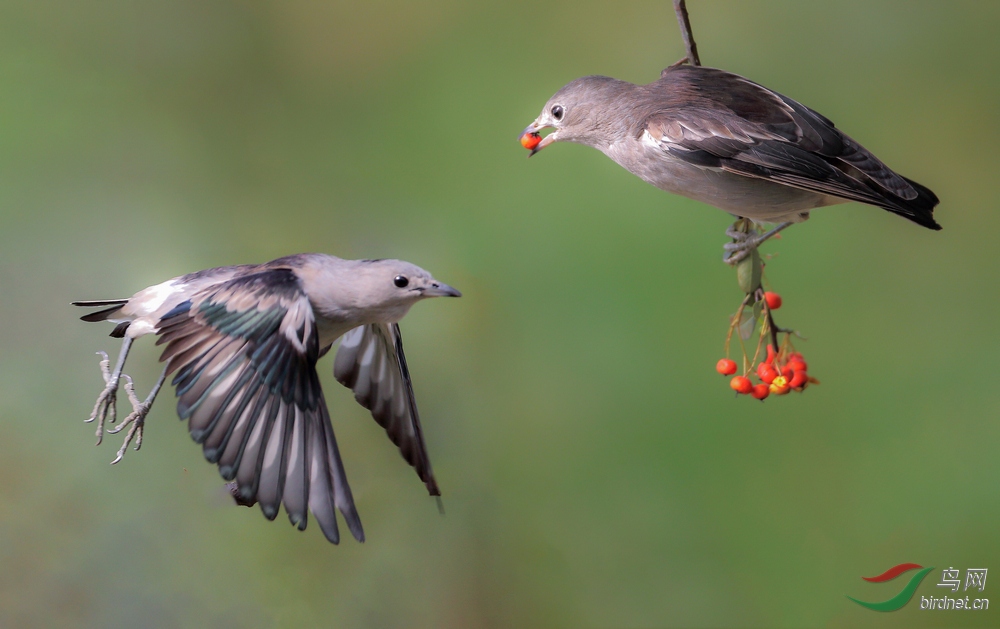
[[107, 401], [736, 257], [735, 233], [743, 243], [739, 246], [137, 418]]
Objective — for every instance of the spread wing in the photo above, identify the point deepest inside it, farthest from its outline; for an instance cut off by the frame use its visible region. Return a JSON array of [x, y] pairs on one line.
[[244, 352], [370, 361], [715, 119]]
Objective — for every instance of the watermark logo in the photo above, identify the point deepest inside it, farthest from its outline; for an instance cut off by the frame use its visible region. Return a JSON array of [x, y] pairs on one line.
[[975, 578], [904, 596]]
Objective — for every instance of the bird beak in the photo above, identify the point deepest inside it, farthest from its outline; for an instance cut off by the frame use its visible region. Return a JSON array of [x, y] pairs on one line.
[[437, 289], [534, 127]]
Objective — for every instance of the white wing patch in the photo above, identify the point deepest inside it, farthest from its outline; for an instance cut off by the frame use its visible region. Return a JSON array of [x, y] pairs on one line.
[[149, 300], [648, 140], [353, 337]]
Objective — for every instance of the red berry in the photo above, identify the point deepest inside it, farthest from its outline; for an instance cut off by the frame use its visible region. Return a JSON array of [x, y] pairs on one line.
[[773, 300], [760, 391], [741, 384], [796, 365], [787, 372], [530, 140], [770, 354], [779, 386], [798, 379], [767, 373], [726, 367]]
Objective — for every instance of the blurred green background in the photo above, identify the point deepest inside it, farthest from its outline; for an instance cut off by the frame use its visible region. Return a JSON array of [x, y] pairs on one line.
[[596, 471]]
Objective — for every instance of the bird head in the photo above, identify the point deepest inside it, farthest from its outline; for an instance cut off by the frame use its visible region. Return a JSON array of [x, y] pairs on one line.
[[578, 113], [392, 286], [375, 291]]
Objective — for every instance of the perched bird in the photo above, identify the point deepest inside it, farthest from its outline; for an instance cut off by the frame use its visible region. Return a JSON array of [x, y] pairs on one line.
[[243, 342], [722, 139]]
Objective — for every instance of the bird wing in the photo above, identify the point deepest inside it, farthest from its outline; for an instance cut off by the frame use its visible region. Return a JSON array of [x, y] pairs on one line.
[[715, 119], [244, 352], [370, 361]]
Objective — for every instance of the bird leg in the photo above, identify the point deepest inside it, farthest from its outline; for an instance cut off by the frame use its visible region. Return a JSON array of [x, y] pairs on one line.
[[744, 241], [138, 415], [106, 401]]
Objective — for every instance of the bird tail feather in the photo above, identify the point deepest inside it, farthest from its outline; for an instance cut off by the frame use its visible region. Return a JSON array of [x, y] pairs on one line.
[[920, 209], [101, 315]]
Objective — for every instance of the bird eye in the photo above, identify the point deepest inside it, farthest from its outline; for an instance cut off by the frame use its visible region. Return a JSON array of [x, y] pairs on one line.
[[557, 112], [400, 281]]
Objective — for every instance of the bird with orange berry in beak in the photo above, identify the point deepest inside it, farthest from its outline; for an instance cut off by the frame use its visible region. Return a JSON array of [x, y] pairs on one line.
[[719, 138]]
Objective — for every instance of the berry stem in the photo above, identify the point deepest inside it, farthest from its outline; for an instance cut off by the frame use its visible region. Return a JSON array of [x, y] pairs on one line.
[[735, 322], [769, 319]]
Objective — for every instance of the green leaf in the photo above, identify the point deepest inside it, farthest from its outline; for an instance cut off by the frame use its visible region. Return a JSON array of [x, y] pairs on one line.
[[748, 271], [748, 323]]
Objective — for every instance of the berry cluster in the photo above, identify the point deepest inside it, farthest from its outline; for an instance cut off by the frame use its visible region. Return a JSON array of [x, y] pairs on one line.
[[782, 371], [779, 373]]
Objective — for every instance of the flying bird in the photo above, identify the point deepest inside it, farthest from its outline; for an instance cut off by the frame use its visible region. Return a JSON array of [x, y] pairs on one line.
[[243, 343], [724, 140]]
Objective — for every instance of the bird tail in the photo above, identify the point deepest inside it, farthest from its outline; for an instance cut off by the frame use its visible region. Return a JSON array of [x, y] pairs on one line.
[[101, 315], [920, 209]]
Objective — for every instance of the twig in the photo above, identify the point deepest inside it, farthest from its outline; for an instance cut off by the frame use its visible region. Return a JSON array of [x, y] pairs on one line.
[[685, 23], [734, 322], [774, 329]]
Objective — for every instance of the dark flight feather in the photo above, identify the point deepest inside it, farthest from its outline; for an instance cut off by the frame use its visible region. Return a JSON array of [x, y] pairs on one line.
[[371, 362], [243, 354]]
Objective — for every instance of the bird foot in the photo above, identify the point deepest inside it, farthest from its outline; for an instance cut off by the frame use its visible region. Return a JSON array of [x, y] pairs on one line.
[[137, 418], [743, 244], [106, 401]]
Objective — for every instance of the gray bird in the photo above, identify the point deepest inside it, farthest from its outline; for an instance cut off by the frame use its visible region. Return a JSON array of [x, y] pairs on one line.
[[724, 140], [243, 342]]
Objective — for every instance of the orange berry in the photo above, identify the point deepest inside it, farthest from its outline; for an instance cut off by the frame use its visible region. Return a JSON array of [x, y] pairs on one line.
[[798, 379], [773, 300], [726, 367], [760, 391], [530, 140], [741, 385], [766, 373], [797, 364], [779, 386], [770, 354]]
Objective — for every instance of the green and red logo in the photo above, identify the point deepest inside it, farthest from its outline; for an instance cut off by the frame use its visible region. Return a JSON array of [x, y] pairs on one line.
[[904, 596]]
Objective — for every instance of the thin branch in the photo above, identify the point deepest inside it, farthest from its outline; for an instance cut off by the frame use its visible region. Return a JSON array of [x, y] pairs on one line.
[[772, 325], [685, 23], [774, 330]]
